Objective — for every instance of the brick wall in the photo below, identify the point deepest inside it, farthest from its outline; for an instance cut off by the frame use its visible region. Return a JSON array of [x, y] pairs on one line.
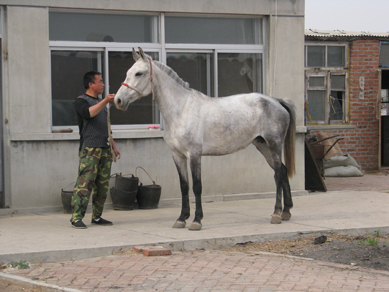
[[362, 142]]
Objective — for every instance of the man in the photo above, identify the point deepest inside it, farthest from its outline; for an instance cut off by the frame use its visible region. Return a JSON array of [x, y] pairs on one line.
[[95, 154]]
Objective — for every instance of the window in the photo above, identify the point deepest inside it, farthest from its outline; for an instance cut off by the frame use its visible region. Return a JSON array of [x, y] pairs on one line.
[[143, 111], [195, 68], [81, 42], [97, 27], [326, 84], [325, 56], [207, 30], [218, 56], [384, 54], [67, 71], [239, 73]]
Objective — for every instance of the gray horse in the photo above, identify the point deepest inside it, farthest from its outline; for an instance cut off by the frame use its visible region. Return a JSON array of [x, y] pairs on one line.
[[198, 125]]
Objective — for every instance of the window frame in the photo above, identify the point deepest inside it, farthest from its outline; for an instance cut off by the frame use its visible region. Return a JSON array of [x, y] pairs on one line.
[[163, 49], [327, 72]]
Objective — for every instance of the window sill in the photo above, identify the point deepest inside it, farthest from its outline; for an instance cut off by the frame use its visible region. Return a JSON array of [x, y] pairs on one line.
[[330, 127], [117, 135], [301, 129]]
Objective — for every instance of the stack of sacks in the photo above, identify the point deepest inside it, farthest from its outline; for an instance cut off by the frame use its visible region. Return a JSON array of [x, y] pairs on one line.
[[335, 162], [343, 165]]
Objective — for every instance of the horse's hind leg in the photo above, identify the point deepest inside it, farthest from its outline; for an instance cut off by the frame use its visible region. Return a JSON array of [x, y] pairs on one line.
[[288, 203], [272, 154], [182, 168], [277, 215]]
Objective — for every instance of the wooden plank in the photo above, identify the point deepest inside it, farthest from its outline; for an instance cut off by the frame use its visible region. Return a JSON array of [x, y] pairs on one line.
[[313, 179]]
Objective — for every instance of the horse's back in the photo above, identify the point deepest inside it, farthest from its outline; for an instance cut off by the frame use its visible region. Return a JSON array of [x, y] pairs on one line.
[[228, 124]]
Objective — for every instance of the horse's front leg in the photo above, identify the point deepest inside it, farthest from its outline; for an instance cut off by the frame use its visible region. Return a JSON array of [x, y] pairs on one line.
[[182, 168], [195, 167]]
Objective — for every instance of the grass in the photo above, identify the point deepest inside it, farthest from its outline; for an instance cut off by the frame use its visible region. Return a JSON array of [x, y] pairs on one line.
[[20, 265], [372, 241]]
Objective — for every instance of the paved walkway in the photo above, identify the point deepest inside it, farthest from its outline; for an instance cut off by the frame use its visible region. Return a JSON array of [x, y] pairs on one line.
[[207, 271], [83, 260]]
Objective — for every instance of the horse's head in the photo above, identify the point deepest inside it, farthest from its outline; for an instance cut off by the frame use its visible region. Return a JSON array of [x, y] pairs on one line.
[[138, 82]]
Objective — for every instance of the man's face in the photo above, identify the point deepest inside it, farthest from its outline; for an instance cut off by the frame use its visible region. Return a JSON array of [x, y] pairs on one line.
[[98, 85]]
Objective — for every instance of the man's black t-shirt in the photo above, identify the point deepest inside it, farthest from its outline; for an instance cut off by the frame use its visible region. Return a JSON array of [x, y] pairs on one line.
[[93, 131]]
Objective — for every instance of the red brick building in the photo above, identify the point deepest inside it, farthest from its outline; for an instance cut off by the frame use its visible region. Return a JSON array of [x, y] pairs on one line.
[[346, 89]]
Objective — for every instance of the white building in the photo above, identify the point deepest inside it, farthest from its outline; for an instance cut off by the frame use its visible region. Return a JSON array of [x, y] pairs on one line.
[[221, 47]]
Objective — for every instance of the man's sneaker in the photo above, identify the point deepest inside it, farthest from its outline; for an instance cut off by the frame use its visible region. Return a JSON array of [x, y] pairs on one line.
[[79, 225], [101, 221]]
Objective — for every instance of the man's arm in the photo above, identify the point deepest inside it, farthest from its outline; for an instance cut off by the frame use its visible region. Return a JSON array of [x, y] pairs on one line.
[[117, 153], [95, 109]]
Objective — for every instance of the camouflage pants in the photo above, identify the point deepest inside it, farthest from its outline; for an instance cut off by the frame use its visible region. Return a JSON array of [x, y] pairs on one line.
[[93, 177]]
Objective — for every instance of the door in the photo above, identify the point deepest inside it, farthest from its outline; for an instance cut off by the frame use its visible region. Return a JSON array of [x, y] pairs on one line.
[[385, 118], [2, 199]]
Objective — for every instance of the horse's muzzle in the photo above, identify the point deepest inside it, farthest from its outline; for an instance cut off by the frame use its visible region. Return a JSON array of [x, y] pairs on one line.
[[119, 104]]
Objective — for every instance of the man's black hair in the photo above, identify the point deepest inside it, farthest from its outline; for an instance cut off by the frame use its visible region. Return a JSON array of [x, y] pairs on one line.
[[90, 77]]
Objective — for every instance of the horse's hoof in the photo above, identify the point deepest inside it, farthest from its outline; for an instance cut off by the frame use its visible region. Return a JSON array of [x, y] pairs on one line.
[[195, 226], [275, 219], [286, 216], [179, 224]]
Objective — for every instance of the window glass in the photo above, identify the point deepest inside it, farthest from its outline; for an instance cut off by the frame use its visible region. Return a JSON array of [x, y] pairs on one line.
[[67, 72], [316, 56], [338, 81], [316, 81], [142, 111], [239, 73], [336, 56], [384, 54], [206, 30], [194, 68], [316, 101], [103, 27]]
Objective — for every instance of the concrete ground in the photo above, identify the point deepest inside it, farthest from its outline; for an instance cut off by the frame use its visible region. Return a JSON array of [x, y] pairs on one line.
[[84, 260]]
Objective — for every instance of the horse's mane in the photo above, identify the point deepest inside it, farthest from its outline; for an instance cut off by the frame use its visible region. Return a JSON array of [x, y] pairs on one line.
[[170, 72]]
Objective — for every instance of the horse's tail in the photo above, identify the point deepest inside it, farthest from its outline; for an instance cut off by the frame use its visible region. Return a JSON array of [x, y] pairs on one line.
[[290, 139]]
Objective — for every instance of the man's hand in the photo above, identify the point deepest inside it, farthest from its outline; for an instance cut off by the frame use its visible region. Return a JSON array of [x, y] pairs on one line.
[[110, 98], [117, 153]]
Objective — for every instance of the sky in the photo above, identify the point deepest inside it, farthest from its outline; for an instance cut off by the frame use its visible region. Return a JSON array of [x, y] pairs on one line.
[[349, 15]]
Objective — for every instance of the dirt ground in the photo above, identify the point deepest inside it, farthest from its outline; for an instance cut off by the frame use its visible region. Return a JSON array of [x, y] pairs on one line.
[[365, 251], [11, 287]]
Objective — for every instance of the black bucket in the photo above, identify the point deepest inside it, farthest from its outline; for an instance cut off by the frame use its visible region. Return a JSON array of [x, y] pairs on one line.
[[122, 200], [148, 196], [126, 184], [66, 197]]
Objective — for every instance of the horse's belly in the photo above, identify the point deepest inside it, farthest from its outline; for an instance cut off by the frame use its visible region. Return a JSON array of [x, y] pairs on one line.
[[225, 146]]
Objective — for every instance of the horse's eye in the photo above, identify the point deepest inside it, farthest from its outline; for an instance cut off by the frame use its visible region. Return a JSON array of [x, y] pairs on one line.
[[138, 74]]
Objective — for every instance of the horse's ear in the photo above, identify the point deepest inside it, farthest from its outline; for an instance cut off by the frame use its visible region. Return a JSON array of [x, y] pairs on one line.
[[135, 55], [142, 54]]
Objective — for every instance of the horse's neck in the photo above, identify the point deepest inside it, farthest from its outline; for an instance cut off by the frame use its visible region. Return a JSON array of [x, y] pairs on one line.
[[169, 95]]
